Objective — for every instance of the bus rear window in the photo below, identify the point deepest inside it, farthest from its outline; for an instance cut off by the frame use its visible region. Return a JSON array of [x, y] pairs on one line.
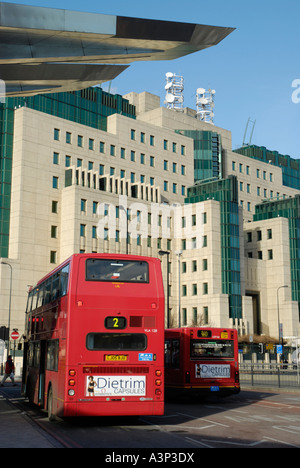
[[208, 349], [116, 341], [127, 271]]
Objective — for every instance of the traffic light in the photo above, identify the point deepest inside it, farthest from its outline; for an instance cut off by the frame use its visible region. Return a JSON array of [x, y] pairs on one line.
[[4, 333]]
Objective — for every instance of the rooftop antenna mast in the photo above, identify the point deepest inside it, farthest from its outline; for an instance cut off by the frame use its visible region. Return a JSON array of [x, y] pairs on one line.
[[205, 104], [251, 134], [174, 92]]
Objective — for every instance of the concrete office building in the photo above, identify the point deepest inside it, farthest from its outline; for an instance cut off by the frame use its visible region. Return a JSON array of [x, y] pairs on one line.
[[228, 220]]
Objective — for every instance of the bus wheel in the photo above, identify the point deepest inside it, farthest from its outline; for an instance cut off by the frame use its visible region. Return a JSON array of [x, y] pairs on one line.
[[51, 416]]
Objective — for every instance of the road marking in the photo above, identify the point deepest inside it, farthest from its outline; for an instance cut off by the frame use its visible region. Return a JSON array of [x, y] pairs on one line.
[[203, 419]]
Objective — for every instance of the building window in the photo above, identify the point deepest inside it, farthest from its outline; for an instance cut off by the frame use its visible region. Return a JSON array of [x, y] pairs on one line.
[[102, 147], [194, 289], [205, 288], [152, 140], [259, 235], [152, 161], [270, 254], [68, 161], [55, 182], [182, 150], [174, 147], [204, 264], [204, 241], [68, 138], [83, 205], [94, 232], [269, 233], [166, 165], [95, 207], [132, 134], [194, 266], [101, 169], [55, 158], [80, 141], [166, 144], [233, 165], [91, 144], [142, 158], [174, 167], [112, 150], [52, 256], [249, 236], [54, 207], [82, 230], [56, 134], [184, 289], [166, 185], [143, 137], [259, 255], [132, 156], [53, 232], [79, 162], [123, 153]]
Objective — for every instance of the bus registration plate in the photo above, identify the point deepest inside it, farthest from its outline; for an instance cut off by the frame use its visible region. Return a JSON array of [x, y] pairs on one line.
[[214, 389], [115, 357]]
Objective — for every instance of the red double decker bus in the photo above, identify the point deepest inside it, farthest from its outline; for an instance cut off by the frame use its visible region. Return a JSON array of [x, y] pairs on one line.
[[95, 338], [201, 360]]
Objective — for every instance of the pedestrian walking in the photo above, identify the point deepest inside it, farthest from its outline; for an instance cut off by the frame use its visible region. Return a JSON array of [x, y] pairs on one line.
[[9, 371]]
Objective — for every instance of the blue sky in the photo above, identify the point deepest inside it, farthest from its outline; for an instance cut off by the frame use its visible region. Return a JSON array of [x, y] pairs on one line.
[[252, 70]]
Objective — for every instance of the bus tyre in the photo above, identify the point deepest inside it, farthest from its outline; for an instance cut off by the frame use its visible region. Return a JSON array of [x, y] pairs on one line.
[[51, 416]]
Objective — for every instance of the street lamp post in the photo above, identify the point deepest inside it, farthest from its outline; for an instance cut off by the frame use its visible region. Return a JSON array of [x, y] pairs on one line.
[[179, 253], [165, 252], [9, 306], [278, 317]]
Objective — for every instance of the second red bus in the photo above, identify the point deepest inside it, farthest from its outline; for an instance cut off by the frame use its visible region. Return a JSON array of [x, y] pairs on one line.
[[201, 361]]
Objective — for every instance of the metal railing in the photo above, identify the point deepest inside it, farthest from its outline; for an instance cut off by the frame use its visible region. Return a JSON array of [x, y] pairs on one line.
[[270, 375]]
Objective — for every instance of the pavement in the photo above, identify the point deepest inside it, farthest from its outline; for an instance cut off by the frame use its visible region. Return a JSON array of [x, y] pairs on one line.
[[17, 429]]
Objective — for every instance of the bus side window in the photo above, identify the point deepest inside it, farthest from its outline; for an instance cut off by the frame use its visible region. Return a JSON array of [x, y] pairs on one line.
[[64, 276], [172, 354]]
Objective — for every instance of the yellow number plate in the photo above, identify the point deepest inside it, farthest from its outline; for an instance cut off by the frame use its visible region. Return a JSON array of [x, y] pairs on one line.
[[115, 357]]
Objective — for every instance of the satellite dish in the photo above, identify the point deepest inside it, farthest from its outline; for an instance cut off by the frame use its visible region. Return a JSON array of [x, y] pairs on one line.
[[168, 85], [170, 98], [213, 91], [169, 75], [200, 90], [203, 101]]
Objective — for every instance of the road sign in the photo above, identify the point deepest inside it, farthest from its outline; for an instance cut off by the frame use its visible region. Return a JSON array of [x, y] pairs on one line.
[[15, 335]]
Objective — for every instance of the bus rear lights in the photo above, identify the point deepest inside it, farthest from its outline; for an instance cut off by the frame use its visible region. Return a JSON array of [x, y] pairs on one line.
[[71, 383], [72, 373], [153, 305], [158, 392], [158, 382], [71, 392], [158, 373], [79, 303]]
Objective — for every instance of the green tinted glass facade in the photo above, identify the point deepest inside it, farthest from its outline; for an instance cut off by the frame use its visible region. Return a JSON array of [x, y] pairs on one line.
[[288, 208], [290, 167], [207, 154], [89, 107], [225, 191]]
